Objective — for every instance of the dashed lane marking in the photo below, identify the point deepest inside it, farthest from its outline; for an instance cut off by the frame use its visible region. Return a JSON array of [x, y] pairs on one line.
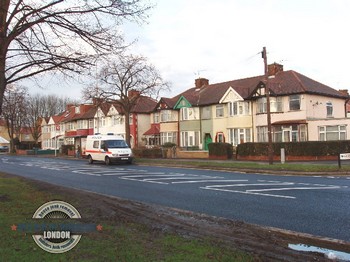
[[208, 180]]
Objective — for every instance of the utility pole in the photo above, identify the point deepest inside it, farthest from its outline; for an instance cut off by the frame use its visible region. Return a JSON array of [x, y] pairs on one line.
[[268, 110]]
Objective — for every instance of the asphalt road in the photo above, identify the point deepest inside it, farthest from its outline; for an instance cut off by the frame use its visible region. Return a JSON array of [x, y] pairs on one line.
[[308, 204]]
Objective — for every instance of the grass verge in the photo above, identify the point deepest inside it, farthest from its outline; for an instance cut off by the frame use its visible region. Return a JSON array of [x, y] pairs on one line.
[[118, 241], [257, 166]]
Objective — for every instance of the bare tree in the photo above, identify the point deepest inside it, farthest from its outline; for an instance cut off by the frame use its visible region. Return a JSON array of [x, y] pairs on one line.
[[39, 106], [123, 81], [38, 36], [14, 112]]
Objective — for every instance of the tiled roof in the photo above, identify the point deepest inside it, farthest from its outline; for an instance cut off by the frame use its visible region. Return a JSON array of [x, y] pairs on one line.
[[291, 82], [211, 94], [169, 102], [90, 114], [284, 83], [154, 130], [144, 104]]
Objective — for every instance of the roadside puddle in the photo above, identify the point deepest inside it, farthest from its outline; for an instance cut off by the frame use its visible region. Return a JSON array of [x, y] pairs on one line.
[[328, 253]]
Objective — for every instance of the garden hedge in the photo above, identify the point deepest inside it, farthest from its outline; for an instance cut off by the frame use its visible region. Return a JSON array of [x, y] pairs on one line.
[[310, 148]]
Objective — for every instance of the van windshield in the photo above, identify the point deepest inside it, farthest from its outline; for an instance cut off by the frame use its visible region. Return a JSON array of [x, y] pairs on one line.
[[116, 144]]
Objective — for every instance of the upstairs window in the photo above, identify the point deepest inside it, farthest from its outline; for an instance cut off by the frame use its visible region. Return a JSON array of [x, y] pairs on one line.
[[206, 112], [329, 107], [275, 104], [219, 110], [294, 102], [261, 105], [156, 117], [165, 116], [239, 108], [184, 113]]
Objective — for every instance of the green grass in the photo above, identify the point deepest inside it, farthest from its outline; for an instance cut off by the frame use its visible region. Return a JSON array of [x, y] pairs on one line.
[[258, 166], [117, 242]]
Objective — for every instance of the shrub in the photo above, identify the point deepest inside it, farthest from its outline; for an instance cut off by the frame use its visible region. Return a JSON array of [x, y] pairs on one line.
[[147, 152], [220, 149], [168, 145], [310, 148]]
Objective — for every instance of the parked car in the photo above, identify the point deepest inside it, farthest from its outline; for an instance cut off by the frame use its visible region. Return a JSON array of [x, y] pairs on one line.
[[4, 148]]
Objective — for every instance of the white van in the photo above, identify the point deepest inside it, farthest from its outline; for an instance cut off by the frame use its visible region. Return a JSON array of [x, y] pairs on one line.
[[107, 148]]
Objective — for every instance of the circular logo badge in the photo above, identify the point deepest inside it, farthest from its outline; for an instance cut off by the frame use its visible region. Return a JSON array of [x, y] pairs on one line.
[[56, 237]]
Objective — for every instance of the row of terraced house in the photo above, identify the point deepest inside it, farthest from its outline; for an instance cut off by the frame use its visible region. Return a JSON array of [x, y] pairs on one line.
[[302, 109]]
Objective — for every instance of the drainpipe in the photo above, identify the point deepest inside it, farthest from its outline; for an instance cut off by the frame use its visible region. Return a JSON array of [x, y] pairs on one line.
[[345, 106]]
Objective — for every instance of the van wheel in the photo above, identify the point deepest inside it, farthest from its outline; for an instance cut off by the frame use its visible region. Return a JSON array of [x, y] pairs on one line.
[[107, 161], [90, 159]]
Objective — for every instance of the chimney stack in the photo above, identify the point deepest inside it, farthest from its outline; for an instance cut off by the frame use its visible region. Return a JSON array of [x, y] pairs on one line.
[[133, 93], [200, 82], [274, 68], [344, 92]]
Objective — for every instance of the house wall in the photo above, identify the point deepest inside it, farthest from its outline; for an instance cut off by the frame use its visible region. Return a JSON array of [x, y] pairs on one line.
[[219, 123], [169, 127], [260, 119], [313, 110], [45, 136], [190, 125], [313, 127], [117, 129], [316, 107], [239, 122], [143, 124]]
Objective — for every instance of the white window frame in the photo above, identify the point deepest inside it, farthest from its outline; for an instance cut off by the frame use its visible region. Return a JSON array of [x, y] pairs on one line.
[[168, 137], [262, 133], [219, 111], [294, 99], [238, 134], [329, 108], [189, 138], [338, 131]]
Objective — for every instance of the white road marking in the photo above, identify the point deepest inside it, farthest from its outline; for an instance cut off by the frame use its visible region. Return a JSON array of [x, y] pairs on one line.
[[248, 193], [180, 178], [207, 180], [249, 184], [292, 188], [307, 186]]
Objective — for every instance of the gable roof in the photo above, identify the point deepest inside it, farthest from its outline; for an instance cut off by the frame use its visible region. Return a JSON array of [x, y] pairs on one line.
[[144, 104], [284, 83], [167, 103], [291, 82], [182, 102], [213, 93]]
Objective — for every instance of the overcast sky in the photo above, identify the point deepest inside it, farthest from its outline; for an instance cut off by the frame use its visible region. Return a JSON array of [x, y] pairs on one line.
[[222, 40]]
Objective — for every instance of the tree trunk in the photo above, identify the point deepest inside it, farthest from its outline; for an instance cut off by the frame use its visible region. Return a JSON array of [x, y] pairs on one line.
[[4, 6], [127, 127], [2, 81]]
